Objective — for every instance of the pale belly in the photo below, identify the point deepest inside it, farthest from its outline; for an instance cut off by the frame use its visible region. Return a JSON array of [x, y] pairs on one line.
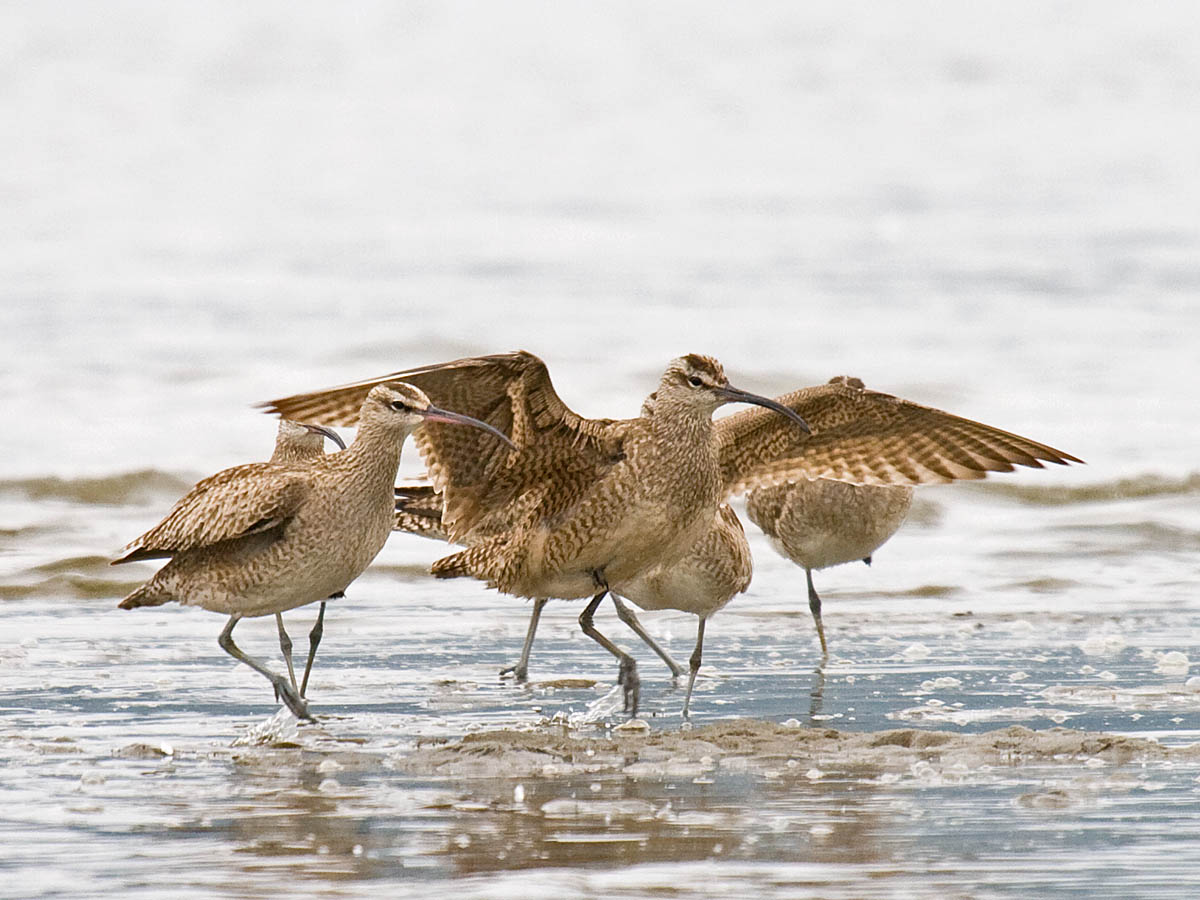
[[822, 548], [685, 588], [825, 523], [267, 577], [636, 544]]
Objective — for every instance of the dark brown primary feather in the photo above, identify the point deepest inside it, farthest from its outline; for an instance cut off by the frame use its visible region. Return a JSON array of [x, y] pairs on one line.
[[867, 437], [234, 503], [559, 452], [419, 499], [419, 511]]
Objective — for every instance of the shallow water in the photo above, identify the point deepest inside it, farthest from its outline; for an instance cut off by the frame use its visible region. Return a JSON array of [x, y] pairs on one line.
[[208, 209]]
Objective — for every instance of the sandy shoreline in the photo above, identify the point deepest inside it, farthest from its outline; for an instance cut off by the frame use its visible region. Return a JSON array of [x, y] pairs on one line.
[[769, 749]]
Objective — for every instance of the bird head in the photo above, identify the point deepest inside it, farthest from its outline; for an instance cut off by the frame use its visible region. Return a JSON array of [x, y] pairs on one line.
[[699, 382], [403, 407]]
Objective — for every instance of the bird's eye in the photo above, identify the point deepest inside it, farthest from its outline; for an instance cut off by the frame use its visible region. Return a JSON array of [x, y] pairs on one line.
[[400, 406], [695, 381]]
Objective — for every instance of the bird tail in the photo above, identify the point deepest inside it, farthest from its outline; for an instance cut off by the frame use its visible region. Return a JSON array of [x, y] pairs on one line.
[[419, 511], [456, 565], [146, 595], [482, 561]]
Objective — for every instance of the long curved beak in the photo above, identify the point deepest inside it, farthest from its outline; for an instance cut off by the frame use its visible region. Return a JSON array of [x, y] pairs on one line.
[[326, 432], [434, 414], [737, 395]]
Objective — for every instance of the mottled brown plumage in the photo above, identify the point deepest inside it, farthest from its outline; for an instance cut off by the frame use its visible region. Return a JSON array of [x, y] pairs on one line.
[[867, 437], [595, 502], [419, 512], [295, 444], [823, 523], [860, 435], [587, 503], [263, 538], [703, 581], [584, 497]]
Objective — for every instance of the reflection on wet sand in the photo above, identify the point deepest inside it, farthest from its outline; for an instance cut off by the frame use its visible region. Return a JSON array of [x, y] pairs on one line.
[[287, 807], [329, 806], [816, 696], [331, 814], [616, 821]]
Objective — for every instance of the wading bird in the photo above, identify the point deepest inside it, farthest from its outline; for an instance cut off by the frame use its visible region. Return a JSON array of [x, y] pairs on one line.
[[263, 538], [590, 504]]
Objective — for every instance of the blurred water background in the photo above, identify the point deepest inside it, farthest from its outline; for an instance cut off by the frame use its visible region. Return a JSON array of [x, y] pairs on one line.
[[991, 209]]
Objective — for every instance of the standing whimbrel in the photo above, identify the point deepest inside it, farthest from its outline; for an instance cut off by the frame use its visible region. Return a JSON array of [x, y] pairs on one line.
[[716, 568], [703, 581], [822, 523], [263, 538], [587, 502], [859, 489], [295, 444], [590, 503]]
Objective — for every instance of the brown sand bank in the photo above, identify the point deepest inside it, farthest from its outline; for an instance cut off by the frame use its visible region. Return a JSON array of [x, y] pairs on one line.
[[770, 748]]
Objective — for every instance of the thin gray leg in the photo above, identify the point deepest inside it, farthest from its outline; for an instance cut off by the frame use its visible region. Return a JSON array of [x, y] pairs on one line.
[[626, 615], [694, 665], [282, 689], [314, 641], [627, 675], [285, 645], [520, 672], [814, 604]]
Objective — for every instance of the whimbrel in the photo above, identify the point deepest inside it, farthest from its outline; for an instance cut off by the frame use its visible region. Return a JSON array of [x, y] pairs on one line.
[[822, 523], [859, 489], [589, 503], [713, 572], [716, 568], [703, 581], [295, 444], [264, 538]]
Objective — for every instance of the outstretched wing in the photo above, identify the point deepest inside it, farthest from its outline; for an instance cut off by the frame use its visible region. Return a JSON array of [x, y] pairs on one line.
[[419, 511], [234, 503], [477, 475], [867, 437]]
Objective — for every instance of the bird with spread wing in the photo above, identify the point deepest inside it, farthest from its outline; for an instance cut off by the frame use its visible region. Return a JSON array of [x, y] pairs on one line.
[[584, 504]]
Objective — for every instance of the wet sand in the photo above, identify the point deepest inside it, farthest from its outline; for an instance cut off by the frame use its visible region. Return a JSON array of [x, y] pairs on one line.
[[772, 750]]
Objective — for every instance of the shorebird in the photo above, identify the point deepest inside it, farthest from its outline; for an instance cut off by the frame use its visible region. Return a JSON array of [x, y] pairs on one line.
[[716, 568], [263, 538], [845, 508], [587, 503], [297, 443], [703, 581], [591, 503], [713, 572], [823, 523]]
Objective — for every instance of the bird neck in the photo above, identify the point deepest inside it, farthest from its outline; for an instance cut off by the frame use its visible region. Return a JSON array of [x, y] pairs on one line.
[[681, 424], [376, 451]]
